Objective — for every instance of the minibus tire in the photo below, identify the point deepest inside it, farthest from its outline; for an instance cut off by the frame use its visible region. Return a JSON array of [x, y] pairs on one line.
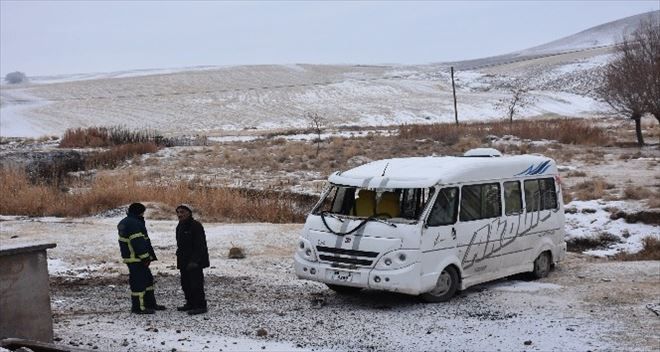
[[542, 265], [450, 274], [344, 290]]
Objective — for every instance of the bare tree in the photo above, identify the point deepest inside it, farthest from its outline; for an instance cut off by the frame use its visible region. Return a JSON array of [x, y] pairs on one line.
[[631, 82], [520, 97], [648, 40], [317, 122]]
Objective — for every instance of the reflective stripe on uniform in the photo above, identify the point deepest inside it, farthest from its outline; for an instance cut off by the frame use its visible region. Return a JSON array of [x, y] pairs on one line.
[[150, 288], [140, 296], [135, 235], [133, 258], [130, 247]]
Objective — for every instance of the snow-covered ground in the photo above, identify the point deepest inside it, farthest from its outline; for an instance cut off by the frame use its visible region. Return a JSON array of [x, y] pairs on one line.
[[582, 305], [15, 108], [209, 100], [591, 219]]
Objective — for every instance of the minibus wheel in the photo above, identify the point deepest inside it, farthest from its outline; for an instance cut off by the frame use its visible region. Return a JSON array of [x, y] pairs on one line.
[[343, 290], [445, 287], [542, 265]]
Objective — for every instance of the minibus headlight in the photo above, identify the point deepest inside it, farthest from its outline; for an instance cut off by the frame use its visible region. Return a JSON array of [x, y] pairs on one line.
[[305, 250], [397, 259]]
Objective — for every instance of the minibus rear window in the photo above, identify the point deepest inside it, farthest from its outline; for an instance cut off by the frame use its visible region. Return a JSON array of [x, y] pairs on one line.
[[540, 194]]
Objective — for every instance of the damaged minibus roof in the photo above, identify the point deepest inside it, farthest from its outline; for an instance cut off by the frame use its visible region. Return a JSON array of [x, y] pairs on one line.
[[422, 172]]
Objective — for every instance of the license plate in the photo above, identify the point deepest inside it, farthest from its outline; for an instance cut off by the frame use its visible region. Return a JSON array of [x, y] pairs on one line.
[[343, 276]]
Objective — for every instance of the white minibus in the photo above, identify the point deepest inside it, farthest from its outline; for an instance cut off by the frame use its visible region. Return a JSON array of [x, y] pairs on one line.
[[430, 226]]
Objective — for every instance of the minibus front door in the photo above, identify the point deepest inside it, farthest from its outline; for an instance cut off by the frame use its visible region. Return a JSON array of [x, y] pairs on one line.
[[439, 232]]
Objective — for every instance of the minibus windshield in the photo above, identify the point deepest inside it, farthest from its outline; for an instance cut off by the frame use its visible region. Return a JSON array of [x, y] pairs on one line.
[[403, 205]]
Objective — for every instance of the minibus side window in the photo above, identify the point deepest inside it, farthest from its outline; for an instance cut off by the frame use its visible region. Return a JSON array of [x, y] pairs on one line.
[[540, 194], [548, 193], [445, 208], [480, 202], [512, 198], [532, 198]]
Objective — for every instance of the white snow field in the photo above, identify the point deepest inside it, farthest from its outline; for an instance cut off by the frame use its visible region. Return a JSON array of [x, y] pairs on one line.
[[583, 304], [212, 100]]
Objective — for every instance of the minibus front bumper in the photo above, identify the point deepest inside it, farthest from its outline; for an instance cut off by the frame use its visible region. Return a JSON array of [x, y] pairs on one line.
[[403, 280]]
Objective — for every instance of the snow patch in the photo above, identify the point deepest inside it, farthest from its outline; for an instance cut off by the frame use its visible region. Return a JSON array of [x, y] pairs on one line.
[[591, 219]]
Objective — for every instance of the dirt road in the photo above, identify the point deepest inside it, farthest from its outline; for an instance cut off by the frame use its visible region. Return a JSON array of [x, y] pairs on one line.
[[585, 304]]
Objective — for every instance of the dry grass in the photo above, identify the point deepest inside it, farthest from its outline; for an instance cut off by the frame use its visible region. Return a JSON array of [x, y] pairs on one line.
[[111, 158], [649, 217], [94, 137], [593, 189], [654, 202], [55, 168], [576, 174], [651, 251], [632, 192], [566, 131], [566, 195], [274, 155], [603, 240], [104, 136], [24, 198]]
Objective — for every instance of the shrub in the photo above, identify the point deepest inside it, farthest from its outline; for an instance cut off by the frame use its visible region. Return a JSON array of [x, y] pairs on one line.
[[631, 192], [593, 189], [52, 168], [601, 241], [94, 137], [114, 156], [15, 77], [650, 251], [576, 174]]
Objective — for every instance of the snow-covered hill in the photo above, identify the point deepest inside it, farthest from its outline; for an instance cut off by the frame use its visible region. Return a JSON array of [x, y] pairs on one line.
[[604, 35], [211, 100]]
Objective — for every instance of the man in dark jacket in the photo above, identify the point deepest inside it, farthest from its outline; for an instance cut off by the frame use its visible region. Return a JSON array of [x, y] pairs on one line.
[[192, 255], [137, 253]]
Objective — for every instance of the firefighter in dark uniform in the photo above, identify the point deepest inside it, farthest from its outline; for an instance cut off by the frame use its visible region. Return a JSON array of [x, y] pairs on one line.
[[192, 255], [137, 253]]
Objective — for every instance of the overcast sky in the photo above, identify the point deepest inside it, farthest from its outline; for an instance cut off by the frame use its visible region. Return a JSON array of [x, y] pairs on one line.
[[57, 37]]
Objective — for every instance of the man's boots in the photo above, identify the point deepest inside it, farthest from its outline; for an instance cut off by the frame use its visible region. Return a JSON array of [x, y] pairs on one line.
[[195, 311], [150, 301], [184, 308], [138, 308]]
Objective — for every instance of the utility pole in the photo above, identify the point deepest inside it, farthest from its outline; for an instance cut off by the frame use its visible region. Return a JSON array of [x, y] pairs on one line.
[[453, 88]]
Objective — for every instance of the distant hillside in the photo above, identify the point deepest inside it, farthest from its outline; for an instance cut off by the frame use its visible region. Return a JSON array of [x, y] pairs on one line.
[[216, 100], [606, 34]]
